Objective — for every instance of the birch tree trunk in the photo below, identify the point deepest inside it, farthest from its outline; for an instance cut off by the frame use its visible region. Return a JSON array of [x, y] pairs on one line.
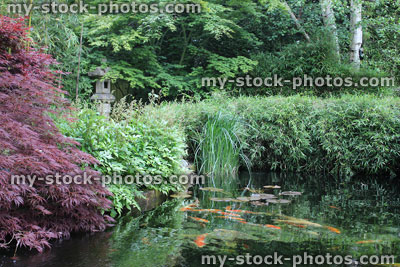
[[328, 17], [356, 32], [296, 21]]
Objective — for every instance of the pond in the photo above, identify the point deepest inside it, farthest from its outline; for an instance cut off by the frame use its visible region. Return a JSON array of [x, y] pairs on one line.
[[294, 215]]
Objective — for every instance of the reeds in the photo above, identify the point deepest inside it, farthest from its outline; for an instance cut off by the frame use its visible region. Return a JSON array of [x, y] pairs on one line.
[[220, 148]]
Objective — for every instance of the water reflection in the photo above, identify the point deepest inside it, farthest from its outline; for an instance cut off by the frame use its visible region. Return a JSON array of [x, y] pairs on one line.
[[336, 217]]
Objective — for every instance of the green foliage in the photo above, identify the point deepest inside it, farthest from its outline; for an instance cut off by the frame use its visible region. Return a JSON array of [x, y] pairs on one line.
[[60, 36], [230, 67], [220, 147], [136, 47], [382, 35], [316, 59], [124, 198], [170, 53], [129, 147], [344, 136]]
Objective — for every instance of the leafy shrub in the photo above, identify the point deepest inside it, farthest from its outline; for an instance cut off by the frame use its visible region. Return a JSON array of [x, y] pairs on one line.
[[380, 37], [30, 144], [315, 59], [344, 136], [129, 147]]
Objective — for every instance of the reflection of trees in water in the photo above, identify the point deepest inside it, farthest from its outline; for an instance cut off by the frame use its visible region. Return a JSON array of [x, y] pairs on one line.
[[153, 239], [164, 236], [368, 210], [80, 250]]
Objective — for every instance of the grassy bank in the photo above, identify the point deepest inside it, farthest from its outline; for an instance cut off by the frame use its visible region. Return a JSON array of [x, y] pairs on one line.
[[342, 136]]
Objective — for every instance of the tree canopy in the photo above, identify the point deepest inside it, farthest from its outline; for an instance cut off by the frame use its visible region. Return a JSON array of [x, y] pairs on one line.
[[169, 53]]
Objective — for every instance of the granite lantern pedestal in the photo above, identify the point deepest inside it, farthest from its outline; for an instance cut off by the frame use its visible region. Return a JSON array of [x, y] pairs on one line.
[[103, 91]]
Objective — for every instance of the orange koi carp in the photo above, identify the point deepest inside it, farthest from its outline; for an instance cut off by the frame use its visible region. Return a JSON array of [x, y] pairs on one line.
[[272, 226], [199, 219], [368, 241], [229, 214], [334, 230], [186, 209], [200, 240]]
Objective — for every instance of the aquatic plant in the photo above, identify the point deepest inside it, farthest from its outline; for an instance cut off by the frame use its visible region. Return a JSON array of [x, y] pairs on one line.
[[220, 147]]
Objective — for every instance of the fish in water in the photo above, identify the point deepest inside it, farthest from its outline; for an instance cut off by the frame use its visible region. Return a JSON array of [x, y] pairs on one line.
[[368, 241], [272, 226], [228, 208], [207, 210], [236, 210], [229, 214], [199, 219], [272, 187], [334, 230], [185, 209], [230, 218], [245, 211], [193, 205], [297, 225], [288, 219], [212, 210], [201, 210], [181, 195], [200, 240]]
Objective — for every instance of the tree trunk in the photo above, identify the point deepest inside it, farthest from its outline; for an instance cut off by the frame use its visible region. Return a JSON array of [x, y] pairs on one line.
[[356, 32], [328, 17], [186, 40], [79, 65], [296, 21]]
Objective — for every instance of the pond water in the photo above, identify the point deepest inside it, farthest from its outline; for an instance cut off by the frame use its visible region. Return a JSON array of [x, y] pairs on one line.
[[329, 217]]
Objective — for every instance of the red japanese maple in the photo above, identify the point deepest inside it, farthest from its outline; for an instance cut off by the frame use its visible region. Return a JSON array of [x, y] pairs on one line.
[[30, 144]]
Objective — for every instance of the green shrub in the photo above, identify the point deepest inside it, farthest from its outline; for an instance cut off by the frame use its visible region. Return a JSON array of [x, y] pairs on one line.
[[129, 147], [343, 136], [315, 59]]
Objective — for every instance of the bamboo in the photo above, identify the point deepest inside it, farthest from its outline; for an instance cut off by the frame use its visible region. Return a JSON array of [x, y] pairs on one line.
[[79, 65]]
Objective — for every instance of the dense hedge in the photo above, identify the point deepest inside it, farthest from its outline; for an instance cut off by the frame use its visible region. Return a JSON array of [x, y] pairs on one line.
[[343, 136]]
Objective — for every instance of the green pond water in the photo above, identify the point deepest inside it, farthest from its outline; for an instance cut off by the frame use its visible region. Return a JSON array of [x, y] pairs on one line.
[[329, 217]]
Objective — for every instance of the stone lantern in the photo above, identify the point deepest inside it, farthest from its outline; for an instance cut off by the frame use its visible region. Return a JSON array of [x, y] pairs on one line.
[[103, 91]]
